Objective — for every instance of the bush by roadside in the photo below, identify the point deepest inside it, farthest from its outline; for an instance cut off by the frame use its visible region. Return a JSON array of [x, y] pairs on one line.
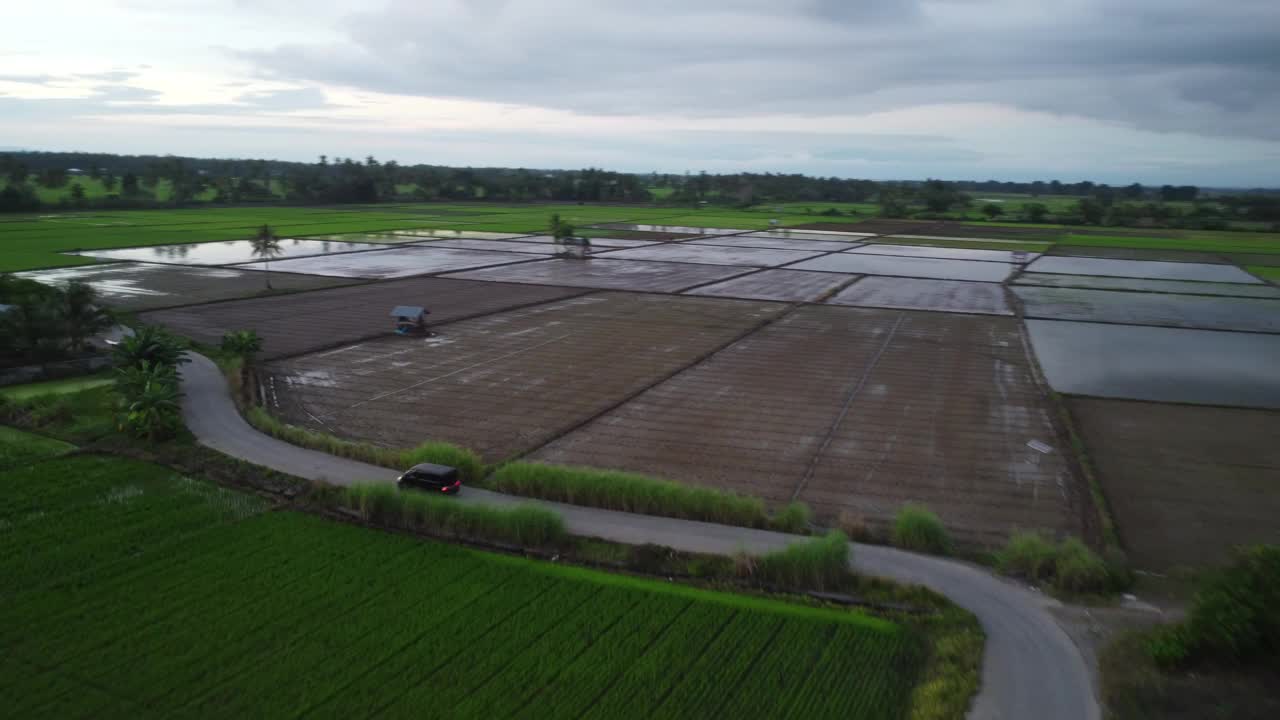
[[469, 465], [818, 564], [1068, 567], [630, 492], [385, 504], [917, 528]]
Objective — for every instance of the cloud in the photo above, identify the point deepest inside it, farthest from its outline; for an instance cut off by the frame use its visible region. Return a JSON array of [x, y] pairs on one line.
[[31, 79], [1164, 65], [112, 76], [305, 98]]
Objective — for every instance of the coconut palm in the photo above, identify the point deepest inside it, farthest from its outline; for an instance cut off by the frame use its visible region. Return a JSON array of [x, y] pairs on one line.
[[154, 412], [266, 246], [150, 344]]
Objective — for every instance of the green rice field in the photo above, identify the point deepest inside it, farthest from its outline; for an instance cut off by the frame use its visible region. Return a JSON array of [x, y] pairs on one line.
[[133, 592], [30, 241]]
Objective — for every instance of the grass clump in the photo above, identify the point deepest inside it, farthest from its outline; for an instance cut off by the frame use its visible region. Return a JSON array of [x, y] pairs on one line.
[[524, 525], [469, 465], [818, 564], [628, 492], [918, 528], [794, 517], [1069, 567]]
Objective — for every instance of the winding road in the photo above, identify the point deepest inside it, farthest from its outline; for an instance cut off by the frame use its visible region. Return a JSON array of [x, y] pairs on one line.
[[1031, 669]]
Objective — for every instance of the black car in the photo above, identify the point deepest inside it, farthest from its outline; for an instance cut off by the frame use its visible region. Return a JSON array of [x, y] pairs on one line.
[[429, 476]]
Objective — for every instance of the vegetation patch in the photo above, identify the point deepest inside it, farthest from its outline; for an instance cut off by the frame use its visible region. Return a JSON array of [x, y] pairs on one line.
[[631, 492], [817, 564], [469, 465], [19, 448], [521, 526], [918, 528], [1069, 567]]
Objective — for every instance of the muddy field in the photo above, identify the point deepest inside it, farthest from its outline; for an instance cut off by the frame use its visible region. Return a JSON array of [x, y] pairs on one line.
[[913, 294], [506, 383], [854, 411], [293, 324], [144, 286], [783, 285], [1185, 483]]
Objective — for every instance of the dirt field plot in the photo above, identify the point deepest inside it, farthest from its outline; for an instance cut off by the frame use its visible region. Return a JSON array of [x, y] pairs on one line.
[[1185, 483], [1183, 287], [507, 383], [1154, 269], [1004, 256], [299, 323], [1187, 311], [1270, 260], [402, 261], [140, 286], [225, 253], [610, 274], [935, 268], [783, 285], [939, 295], [777, 243], [713, 255], [939, 410], [1155, 363], [1120, 253]]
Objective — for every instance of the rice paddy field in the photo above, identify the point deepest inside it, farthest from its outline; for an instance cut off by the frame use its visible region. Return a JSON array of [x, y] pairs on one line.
[[698, 345], [131, 591]]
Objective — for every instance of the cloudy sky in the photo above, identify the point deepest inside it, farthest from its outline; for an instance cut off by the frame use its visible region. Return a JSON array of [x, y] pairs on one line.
[[1156, 91]]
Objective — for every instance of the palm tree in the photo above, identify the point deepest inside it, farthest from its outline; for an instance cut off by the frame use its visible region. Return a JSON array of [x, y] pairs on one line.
[[81, 315], [150, 344], [266, 246], [154, 411]]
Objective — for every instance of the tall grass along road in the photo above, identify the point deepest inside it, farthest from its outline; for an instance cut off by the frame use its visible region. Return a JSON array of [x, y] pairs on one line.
[[1031, 668]]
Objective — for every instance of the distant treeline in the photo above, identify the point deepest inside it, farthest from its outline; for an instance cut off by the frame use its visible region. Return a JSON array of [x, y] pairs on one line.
[[135, 181]]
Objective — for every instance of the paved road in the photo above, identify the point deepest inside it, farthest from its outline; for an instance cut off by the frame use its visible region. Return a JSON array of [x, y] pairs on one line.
[[1031, 669]]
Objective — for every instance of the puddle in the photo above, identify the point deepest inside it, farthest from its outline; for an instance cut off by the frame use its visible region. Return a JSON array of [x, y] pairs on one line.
[[1163, 364], [935, 268], [224, 253], [1155, 269]]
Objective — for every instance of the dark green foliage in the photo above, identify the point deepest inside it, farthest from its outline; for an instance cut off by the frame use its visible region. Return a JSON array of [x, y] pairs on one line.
[[150, 344], [1070, 567], [1235, 616], [245, 343], [1029, 555], [918, 528]]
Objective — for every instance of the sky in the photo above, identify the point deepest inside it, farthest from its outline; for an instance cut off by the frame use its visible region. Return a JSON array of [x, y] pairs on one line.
[[1151, 91]]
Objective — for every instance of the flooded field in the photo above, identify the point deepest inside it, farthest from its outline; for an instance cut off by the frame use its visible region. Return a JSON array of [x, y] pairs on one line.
[[937, 268], [1188, 311], [398, 262], [610, 274], [1163, 364], [226, 253], [687, 252], [1185, 287], [1005, 256], [938, 295], [784, 285], [141, 286], [1159, 270]]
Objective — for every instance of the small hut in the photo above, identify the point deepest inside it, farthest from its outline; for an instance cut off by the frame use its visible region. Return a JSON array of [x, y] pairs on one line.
[[410, 319]]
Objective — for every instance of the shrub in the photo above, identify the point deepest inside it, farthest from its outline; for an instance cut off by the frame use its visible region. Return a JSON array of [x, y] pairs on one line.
[[628, 492], [1079, 570], [793, 518], [1029, 555], [523, 525], [918, 528], [818, 564], [1168, 646], [1235, 615], [469, 465]]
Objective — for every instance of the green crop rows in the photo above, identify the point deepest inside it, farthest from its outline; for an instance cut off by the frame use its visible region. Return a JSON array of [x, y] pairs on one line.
[[133, 592]]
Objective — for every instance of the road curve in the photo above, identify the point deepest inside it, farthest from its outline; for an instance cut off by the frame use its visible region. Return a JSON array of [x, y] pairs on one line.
[[1031, 668]]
